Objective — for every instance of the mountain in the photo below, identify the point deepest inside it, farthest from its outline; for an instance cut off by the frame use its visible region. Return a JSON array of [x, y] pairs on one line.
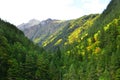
[[88, 25], [71, 32], [42, 30], [87, 48], [32, 22], [94, 55], [47, 31], [110, 13]]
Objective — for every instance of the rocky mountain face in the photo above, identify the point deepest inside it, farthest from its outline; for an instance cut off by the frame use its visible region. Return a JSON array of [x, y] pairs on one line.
[[32, 22], [39, 31]]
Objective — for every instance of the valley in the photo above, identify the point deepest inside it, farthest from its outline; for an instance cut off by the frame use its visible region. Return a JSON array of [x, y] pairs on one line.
[[86, 48]]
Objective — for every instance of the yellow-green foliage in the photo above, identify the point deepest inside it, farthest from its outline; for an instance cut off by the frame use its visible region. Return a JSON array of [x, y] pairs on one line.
[[74, 36], [44, 44], [37, 40], [47, 41], [96, 35], [89, 41], [106, 27], [58, 42]]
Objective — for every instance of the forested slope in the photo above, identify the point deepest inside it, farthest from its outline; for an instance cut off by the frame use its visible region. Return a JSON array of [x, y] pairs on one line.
[[20, 59], [93, 54]]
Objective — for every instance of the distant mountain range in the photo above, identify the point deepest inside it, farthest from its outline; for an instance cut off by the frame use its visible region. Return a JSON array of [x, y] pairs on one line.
[[38, 31], [51, 32]]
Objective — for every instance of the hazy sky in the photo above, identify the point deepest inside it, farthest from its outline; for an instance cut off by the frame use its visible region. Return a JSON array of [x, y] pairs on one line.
[[19, 11]]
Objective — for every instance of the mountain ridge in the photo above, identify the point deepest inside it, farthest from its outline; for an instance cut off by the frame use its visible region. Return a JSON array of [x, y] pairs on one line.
[[45, 28], [31, 22], [49, 28]]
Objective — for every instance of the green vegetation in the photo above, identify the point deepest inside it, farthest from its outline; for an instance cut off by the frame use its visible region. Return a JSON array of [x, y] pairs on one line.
[[20, 59], [71, 32], [88, 48]]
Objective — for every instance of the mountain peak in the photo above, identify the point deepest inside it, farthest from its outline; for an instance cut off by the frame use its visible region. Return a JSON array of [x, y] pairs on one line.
[[30, 23], [33, 20], [46, 21], [49, 19]]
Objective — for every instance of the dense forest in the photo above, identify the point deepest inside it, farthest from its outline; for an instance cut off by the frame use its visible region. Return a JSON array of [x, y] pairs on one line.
[[89, 52]]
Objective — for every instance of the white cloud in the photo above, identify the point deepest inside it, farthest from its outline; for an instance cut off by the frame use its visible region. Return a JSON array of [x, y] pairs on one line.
[[19, 11]]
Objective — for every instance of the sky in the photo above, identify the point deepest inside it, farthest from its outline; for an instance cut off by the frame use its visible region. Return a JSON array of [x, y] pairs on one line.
[[21, 11]]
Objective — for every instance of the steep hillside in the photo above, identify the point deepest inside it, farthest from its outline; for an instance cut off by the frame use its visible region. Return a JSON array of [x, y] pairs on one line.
[[71, 32], [89, 25], [40, 32], [110, 13], [95, 54]]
